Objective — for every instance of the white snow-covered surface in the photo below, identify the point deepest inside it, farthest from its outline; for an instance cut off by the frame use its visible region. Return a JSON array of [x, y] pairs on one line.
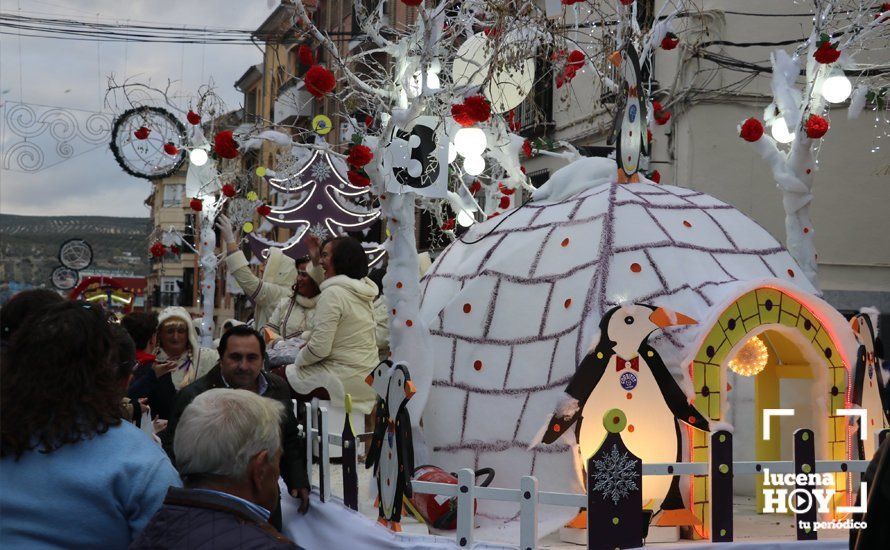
[[514, 306]]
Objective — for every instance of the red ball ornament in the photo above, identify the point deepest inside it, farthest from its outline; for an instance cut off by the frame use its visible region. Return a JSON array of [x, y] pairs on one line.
[[448, 224], [319, 81], [504, 203], [359, 155], [196, 204], [157, 250], [655, 176], [264, 210], [228, 190], [670, 41], [478, 108], [193, 118], [816, 127], [170, 149], [751, 130], [305, 56], [460, 115], [224, 145], [826, 53], [142, 133], [358, 179], [576, 59]]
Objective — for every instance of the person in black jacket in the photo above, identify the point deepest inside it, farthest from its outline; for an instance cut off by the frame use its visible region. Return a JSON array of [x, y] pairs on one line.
[[151, 379], [229, 448], [241, 352]]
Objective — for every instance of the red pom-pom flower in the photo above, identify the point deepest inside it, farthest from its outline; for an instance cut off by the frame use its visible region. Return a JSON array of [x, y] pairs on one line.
[[576, 60], [305, 56], [475, 187], [448, 224], [505, 190], [224, 145], [504, 203], [816, 127], [319, 81], [478, 108], [358, 179], [412, 3], [142, 133], [826, 53], [170, 149], [527, 148], [228, 190], [670, 41], [158, 249], [264, 210], [751, 130], [193, 118], [655, 176], [661, 115], [461, 116], [359, 156], [196, 204]]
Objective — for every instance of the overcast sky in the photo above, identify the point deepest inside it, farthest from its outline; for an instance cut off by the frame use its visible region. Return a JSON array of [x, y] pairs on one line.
[[73, 75]]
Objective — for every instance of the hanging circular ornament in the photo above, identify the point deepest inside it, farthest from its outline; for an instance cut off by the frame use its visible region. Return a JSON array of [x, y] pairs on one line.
[[76, 254], [322, 125], [509, 84], [260, 171], [64, 278], [247, 227], [147, 158]]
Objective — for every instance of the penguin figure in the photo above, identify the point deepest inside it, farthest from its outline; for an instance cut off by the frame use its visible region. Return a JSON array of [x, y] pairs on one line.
[[393, 448], [869, 387], [623, 371], [630, 125], [379, 382]]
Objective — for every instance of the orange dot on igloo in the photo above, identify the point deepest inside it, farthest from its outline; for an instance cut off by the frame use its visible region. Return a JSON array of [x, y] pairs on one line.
[[630, 427], [399, 284], [409, 323], [635, 267], [686, 223], [468, 308], [565, 242], [790, 272], [568, 303], [477, 364]]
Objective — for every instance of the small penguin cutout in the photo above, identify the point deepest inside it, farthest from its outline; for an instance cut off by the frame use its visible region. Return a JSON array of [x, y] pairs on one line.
[[630, 123], [869, 386], [624, 372], [392, 447]]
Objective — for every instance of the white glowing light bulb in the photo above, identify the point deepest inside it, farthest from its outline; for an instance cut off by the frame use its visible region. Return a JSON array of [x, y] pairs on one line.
[[198, 157], [780, 131], [470, 142], [836, 88], [474, 165], [465, 219]]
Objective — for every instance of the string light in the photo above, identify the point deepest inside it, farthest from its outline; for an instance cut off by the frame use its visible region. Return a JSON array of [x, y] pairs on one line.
[[751, 359]]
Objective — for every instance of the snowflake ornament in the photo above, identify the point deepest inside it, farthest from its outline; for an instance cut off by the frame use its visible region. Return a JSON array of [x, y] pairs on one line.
[[320, 231], [614, 475], [320, 171]]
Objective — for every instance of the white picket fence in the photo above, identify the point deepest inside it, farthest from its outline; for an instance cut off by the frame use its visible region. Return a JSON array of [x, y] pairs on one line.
[[527, 495]]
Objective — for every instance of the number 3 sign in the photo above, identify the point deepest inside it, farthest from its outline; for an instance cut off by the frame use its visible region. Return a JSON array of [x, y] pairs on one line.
[[417, 162]]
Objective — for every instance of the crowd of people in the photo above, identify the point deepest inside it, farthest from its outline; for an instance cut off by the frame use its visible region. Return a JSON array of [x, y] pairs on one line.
[[128, 432]]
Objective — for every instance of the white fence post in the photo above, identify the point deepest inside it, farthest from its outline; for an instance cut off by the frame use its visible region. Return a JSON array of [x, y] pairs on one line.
[[466, 489], [528, 510], [307, 408], [324, 454]]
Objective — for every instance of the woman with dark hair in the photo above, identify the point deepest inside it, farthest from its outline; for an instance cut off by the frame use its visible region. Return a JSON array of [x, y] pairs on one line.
[[23, 305], [73, 474], [342, 349], [293, 316]]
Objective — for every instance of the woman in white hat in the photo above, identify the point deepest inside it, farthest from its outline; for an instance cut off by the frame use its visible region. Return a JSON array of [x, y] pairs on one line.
[[178, 346]]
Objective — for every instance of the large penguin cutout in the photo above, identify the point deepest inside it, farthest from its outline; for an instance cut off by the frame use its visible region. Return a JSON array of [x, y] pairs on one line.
[[394, 462], [630, 125], [869, 388], [624, 372], [379, 382]]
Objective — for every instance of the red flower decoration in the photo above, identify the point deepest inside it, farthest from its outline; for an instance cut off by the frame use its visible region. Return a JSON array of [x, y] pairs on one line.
[[461, 116], [504, 202], [506, 190], [475, 187], [655, 176], [478, 108], [752, 130], [576, 59], [264, 210], [224, 145], [493, 215], [196, 204], [569, 72], [661, 116], [142, 133], [816, 127], [627, 2], [826, 53], [527, 148], [648, 135], [193, 118], [157, 250], [358, 179], [412, 3], [670, 41], [175, 249], [170, 149], [369, 121], [448, 224], [304, 54], [228, 190], [319, 81], [359, 155]]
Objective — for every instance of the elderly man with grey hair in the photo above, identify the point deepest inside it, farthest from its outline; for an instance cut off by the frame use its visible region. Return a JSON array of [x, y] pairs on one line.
[[228, 449]]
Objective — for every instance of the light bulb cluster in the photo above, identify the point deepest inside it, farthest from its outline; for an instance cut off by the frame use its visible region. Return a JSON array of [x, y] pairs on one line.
[[751, 359], [470, 143]]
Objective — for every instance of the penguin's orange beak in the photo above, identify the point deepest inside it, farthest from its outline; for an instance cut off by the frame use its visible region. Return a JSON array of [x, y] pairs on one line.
[[667, 318], [369, 380], [854, 324], [410, 390]]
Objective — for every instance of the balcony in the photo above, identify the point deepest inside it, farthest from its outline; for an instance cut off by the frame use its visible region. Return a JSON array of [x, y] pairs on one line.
[[293, 102]]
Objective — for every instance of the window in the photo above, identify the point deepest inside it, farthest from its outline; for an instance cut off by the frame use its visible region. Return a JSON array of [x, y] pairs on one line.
[[173, 193]]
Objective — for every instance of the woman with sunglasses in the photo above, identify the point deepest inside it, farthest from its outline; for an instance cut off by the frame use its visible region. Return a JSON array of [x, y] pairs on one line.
[[293, 316], [178, 351]]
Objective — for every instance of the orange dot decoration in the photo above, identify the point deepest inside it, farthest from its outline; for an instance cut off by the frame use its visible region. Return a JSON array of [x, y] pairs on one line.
[[409, 323], [568, 303], [806, 229], [468, 308], [686, 223], [399, 284], [790, 272], [477, 364], [565, 242], [393, 311], [692, 420], [556, 428], [630, 427], [635, 267], [630, 395]]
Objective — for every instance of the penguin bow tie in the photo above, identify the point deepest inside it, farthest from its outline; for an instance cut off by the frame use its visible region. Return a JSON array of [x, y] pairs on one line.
[[621, 364]]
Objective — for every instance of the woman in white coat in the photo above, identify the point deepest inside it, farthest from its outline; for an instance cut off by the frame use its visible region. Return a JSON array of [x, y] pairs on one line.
[[178, 346], [293, 316], [342, 349]]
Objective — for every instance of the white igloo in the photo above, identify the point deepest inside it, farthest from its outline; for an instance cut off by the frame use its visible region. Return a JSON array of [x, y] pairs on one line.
[[514, 305]]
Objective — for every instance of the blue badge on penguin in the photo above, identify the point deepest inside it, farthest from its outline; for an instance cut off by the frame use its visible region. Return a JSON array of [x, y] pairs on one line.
[[628, 381], [632, 113]]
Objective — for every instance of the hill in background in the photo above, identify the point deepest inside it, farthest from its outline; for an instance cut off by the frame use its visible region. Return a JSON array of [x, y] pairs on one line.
[[29, 245]]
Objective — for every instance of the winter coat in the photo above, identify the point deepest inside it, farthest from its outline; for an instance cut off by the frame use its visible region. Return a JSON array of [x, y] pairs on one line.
[[293, 457], [199, 519], [292, 317], [381, 330], [161, 392], [199, 360], [275, 286], [342, 347]]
